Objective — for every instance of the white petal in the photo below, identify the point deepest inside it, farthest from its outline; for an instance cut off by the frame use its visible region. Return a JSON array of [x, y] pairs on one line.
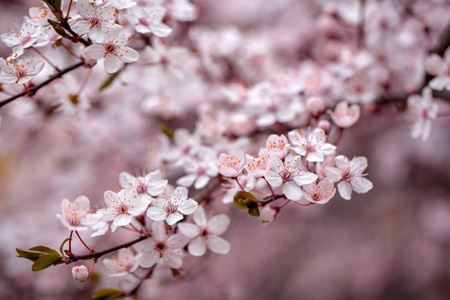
[[334, 174], [218, 224], [341, 162], [314, 157], [292, 191], [148, 259], [173, 218], [361, 185], [305, 178], [156, 213], [173, 258], [187, 180], [129, 55], [126, 180], [273, 178], [94, 51], [197, 247], [177, 241], [199, 216], [188, 207], [201, 182], [111, 63], [122, 220], [218, 245], [345, 190], [189, 230], [161, 29]]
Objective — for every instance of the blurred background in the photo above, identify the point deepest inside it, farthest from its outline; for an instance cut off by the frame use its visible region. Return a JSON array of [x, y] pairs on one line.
[[391, 243]]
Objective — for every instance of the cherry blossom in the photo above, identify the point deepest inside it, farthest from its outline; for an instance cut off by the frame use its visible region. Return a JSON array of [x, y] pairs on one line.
[[277, 146], [420, 112], [267, 214], [121, 207], [200, 170], [440, 68], [114, 50], [151, 184], [161, 246], [76, 216], [231, 166], [313, 145], [345, 116], [257, 166], [125, 262], [350, 176], [98, 20], [149, 19], [22, 38], [173, 208], [319, 193], [290, 175], [206, 233], [19, 71]]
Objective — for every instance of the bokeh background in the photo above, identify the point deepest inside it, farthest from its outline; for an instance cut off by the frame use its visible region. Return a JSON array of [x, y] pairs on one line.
[[392, 243]]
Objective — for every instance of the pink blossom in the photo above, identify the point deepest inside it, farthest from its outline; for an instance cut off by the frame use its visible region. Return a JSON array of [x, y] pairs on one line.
[[77, 215], [319, 193], [345, 116], [313, 145]]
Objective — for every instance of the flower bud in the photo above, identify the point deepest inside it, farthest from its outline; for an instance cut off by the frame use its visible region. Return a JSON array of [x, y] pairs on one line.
[[345, 116], [325, 125], [315, 106], [267, 215], [80, 273]]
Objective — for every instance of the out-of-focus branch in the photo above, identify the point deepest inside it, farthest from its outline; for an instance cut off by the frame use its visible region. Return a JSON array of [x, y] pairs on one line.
[[34, 89]]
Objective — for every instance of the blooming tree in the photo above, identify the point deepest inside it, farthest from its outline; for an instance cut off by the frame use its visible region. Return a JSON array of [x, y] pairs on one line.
[[233, 116]]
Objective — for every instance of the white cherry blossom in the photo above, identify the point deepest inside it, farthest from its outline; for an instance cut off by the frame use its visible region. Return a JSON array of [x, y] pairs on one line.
[[440, 68], [149, 19], [231, 165], [319, 193], [290, 175], [22, 38], [173, 208], [313, 145], [77, 215], [258, 165], [420, 111], [206, 233], [151, 184], [97, 19], [350, 176], [161, 246], [125, 262], [121, 207], [200, 170], [19, 71], [114, 50]]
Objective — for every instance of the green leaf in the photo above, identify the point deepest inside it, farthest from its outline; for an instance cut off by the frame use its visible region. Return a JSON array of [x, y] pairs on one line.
[[44, 250], [253, 211], [244, 200], [45, 261], [31, 255], [58, 28], [108, 294], [108, 81]]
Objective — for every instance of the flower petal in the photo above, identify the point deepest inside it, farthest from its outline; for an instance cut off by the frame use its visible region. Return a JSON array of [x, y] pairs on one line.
[[197, 247], [218, 245]]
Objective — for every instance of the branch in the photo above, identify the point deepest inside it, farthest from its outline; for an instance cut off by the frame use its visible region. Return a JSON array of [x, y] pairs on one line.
[[34, 89], [95, 255]]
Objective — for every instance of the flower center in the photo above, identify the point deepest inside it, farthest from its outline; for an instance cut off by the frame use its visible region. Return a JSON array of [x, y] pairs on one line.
[[286, 175], [161, 246]]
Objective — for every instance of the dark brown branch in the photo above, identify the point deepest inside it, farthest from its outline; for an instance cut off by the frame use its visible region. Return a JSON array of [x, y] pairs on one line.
[[34, 89], [96, 255]]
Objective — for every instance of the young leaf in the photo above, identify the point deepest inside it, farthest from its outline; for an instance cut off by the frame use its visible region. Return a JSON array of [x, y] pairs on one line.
[[31, 255], [108, 81], [44, 250], [45, 261], [108, 294]]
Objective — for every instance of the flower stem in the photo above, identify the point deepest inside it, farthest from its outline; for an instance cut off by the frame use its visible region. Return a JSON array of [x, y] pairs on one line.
[[90, 250]]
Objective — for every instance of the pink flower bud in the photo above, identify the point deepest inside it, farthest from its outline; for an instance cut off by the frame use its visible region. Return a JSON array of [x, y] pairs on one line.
[[267, 215], [345, 116], [315, 106], [80, 273], [325, 125]]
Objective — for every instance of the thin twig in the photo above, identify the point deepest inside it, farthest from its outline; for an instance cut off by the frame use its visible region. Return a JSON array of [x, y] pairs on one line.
[[34, 89]]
